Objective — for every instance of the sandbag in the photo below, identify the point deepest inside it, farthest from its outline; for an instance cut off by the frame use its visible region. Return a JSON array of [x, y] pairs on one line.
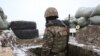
[[3, 24], [4, 17], [84, 12], [1, 12], [26, 34], [15, 25], [95, 20], [82, 21], [96, 11]]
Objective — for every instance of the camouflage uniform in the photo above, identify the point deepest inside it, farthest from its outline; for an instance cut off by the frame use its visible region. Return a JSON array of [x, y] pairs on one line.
[[55, 39]]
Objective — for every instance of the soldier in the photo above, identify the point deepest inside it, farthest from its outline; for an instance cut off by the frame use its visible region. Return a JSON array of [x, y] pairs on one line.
[[55, 36]]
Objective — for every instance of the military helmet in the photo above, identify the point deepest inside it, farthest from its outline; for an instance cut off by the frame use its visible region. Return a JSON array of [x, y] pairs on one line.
[[51, 11]]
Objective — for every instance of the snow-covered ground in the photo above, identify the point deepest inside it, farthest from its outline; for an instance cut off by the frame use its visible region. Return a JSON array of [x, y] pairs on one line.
[[20, 51]]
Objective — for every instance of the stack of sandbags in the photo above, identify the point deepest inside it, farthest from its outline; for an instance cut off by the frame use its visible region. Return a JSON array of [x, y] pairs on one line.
[[24, 29], [95, 16], [3, 20], [82, 15]]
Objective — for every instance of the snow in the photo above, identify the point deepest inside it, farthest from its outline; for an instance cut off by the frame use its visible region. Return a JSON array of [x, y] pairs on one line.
[[74, 42], [25, 47], [72, 30], [20, 51]]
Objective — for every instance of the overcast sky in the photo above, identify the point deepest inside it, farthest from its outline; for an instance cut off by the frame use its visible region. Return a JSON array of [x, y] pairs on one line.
[[33, 10]]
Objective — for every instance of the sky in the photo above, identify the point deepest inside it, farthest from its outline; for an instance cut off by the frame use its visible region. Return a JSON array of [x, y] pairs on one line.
[[33, 10]]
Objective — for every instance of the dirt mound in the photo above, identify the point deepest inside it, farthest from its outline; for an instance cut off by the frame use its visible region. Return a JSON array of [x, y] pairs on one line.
[[89, 35]]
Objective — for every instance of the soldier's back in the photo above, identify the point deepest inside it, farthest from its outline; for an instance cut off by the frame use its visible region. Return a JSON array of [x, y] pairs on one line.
[[56, 37]]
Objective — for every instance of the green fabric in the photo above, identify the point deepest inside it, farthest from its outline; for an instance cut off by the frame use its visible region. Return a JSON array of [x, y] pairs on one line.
[[3, 24]]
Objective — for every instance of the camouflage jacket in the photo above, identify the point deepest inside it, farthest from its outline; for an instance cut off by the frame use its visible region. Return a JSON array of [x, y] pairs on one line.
[[56, 37]]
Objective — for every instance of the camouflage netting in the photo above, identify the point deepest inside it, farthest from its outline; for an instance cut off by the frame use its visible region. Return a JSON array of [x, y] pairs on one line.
[[3, 23], [90, 35]]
